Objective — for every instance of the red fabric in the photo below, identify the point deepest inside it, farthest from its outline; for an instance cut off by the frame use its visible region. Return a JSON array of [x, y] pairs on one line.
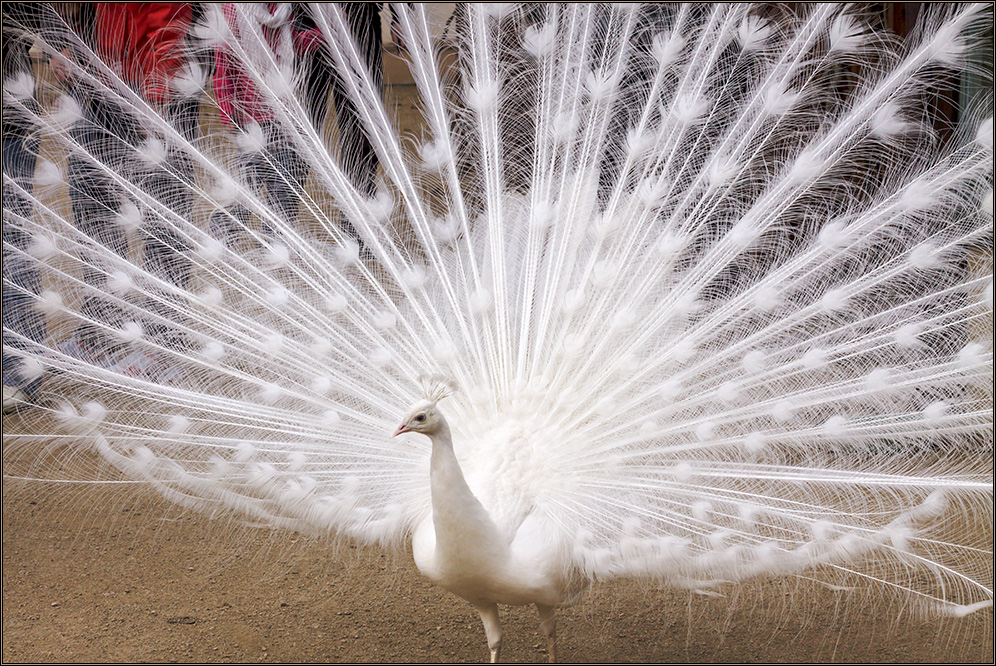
[[237, 96], [141, 41], [238, 99], [307, 41]]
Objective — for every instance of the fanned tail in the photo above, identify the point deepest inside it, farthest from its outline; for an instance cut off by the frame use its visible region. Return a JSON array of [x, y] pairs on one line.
[[716, 296]]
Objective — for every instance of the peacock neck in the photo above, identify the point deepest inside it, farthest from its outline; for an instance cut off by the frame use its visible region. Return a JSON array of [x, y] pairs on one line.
[[447, 483], [458, 516]]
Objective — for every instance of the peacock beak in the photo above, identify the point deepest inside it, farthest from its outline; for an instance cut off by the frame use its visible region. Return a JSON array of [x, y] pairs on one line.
[[401, 428]]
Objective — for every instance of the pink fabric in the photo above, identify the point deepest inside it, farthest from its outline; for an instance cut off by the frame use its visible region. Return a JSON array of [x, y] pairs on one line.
[[237, 96]]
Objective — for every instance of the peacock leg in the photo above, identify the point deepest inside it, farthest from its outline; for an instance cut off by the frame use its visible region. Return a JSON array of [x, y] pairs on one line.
[[492, 627], [548, 625]]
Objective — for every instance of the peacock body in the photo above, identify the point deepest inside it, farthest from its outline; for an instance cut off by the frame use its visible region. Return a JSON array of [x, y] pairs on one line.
[[708, 296]]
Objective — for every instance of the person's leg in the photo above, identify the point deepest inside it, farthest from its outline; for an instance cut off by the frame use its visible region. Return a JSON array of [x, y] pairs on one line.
[[172, 183], [284, 172], [358, 156], [315, 68], [318, 79], [166, 251], [95, 202], [22, 322]]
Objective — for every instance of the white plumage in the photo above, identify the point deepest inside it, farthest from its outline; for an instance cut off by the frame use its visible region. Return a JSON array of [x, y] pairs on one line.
[[715, 296]]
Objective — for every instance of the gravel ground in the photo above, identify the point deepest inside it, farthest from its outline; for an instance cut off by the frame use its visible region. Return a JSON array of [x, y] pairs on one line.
[[119, 577]]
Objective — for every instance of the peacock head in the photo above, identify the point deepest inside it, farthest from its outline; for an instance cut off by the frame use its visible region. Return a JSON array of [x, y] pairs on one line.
[[423, 417]]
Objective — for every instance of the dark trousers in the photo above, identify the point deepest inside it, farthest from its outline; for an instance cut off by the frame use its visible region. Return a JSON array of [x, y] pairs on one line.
[[21, 280], [280, 171], [358, 156], [109, 134]]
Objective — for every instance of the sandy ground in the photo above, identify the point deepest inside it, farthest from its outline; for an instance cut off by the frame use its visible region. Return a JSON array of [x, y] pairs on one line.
[[117, 576]]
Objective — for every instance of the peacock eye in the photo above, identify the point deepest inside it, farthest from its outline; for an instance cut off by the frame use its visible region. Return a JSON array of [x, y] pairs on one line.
[[420, 418]]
